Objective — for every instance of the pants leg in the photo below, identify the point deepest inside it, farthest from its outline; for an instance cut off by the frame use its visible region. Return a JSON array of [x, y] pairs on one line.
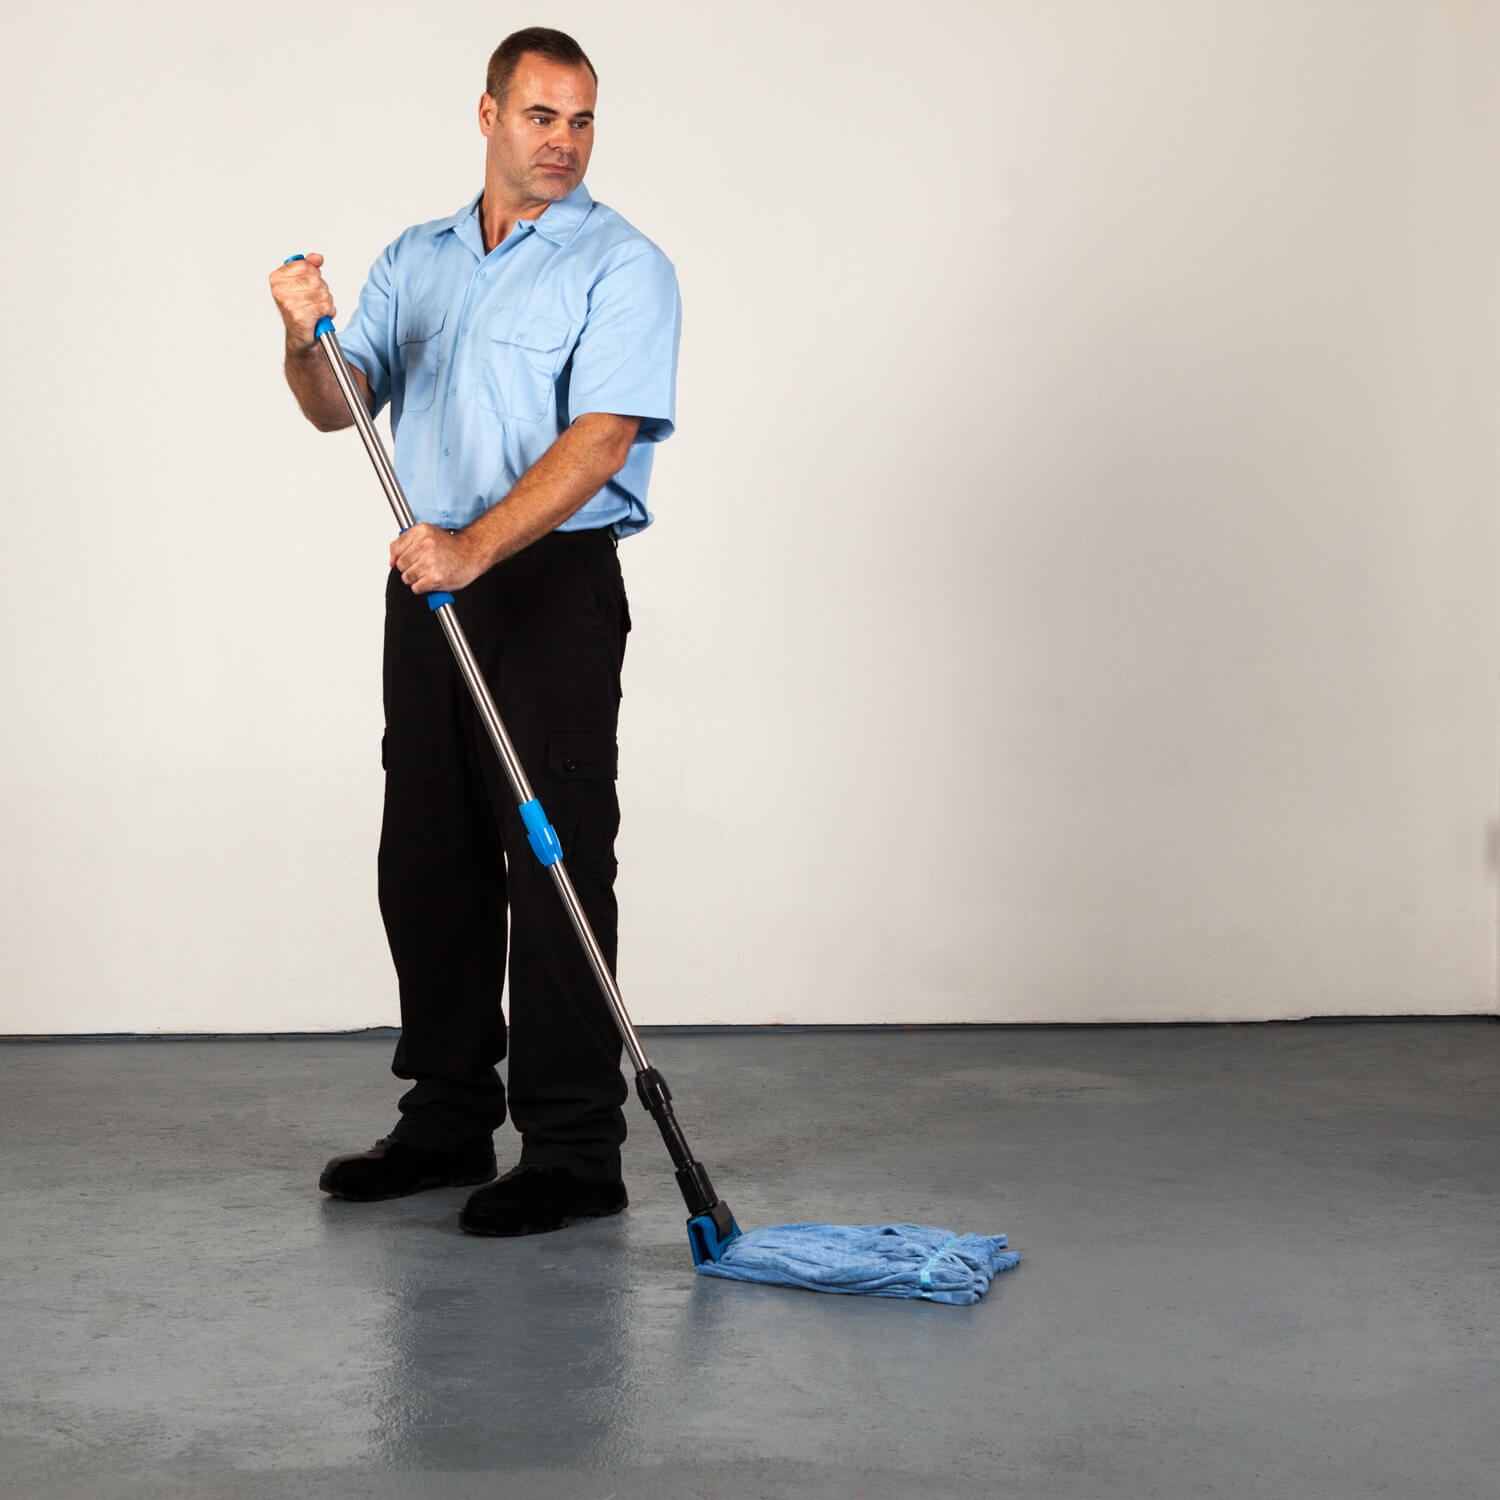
[[442, 888], [548, 629]]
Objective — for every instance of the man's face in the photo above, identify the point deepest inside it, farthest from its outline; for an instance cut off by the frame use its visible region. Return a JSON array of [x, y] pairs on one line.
[[541, 134]]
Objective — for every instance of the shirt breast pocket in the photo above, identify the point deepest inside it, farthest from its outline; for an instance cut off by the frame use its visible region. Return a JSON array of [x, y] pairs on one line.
[[417, 335], [522, 355]]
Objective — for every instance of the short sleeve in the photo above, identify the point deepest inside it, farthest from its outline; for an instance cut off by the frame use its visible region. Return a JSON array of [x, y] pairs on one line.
[[367, 339], [625, 361]]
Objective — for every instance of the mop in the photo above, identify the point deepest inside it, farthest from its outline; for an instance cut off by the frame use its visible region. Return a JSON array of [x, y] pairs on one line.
[[889, 1260]]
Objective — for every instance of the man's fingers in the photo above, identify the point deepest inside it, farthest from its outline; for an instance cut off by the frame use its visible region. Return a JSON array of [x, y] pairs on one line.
[[419, 555], [407, 558], [298, 277], [419, 535], [303, 296]]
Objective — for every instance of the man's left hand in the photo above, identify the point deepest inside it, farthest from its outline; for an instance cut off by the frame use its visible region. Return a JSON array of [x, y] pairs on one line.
[[432, 560]]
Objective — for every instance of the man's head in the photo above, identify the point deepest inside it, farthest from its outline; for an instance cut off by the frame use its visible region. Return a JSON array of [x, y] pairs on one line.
[[537, 115]]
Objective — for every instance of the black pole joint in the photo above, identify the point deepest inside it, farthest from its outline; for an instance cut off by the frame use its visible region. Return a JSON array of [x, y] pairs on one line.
[[692, 1179]]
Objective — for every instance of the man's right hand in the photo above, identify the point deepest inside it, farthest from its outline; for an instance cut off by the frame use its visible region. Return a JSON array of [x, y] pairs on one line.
[[303, 297]]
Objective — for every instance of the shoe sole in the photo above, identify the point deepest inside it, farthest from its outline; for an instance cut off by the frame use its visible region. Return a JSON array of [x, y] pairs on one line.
[[514, 1234], [426, 1185]]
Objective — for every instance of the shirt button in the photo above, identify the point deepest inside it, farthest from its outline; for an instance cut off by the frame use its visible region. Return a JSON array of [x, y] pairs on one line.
[[445, 453], [481, 275]]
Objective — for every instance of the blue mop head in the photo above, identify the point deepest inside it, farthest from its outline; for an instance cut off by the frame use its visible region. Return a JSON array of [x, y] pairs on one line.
[[872, 1260]]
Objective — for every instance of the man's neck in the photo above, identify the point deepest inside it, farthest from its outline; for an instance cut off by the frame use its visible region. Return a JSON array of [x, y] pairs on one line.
[[498, 215]]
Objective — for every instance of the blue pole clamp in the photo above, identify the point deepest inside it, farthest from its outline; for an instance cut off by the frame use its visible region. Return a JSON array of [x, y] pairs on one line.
[[540, 834]]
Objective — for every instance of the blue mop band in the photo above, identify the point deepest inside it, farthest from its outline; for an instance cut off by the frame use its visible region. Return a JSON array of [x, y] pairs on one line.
[[925, 1274]]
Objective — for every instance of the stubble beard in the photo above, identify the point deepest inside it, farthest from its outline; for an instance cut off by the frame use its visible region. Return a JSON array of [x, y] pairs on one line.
[[553, 185]]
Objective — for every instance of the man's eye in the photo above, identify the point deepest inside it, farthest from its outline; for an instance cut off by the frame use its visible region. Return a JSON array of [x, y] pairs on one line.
[[582, 124], [541, 120]]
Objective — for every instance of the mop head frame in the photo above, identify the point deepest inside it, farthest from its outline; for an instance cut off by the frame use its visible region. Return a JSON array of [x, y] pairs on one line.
[[711, 1233]]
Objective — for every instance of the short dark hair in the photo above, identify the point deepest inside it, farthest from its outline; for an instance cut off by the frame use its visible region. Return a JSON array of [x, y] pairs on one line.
[[556, 45]]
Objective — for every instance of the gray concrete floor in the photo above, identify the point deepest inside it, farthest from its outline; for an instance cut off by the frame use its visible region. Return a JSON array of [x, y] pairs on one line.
[[1258, 1261]]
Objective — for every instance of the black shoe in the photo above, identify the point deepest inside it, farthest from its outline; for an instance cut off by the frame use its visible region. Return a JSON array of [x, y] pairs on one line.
[[532, 1199], [394, 1169]]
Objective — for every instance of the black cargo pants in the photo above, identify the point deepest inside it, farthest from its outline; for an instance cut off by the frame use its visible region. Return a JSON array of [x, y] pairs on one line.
[[548, 629]]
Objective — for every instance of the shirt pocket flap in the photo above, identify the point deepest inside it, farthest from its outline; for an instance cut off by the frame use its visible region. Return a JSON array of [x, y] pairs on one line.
[[418, 324], [540, 332], [583, 756]]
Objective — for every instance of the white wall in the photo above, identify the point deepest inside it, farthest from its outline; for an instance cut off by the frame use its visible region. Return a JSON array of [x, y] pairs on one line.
[[1074, 594]]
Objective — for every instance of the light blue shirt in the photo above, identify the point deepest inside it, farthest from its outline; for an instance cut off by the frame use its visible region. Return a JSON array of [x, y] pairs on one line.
[[485, 359]]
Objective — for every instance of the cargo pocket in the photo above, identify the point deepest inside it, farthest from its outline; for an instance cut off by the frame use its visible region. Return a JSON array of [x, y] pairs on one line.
[[522, 356], [585, 806], [417, 334], [583, 756]]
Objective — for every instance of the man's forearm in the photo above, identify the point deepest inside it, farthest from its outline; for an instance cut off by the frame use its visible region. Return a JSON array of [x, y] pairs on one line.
[[569, 474], [311, 379]]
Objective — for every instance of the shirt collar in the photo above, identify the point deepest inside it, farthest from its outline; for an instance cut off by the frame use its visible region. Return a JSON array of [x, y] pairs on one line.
[[559, 222]]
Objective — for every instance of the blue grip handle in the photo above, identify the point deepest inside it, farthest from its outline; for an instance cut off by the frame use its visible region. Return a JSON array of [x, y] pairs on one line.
[[325, 325]]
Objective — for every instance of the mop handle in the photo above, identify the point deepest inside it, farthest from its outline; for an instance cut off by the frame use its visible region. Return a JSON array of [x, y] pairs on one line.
[[539, 832]]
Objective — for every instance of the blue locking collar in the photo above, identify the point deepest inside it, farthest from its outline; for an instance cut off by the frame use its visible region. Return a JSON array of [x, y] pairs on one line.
[[540, 834]]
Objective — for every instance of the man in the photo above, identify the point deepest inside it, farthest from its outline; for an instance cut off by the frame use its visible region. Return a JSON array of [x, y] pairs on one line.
[[528, 348]]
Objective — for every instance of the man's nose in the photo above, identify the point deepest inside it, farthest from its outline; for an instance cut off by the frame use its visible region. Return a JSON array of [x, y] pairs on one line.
[[558, 140]]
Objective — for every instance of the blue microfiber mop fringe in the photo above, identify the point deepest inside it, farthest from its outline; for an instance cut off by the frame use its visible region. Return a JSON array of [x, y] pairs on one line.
[[872, 1260]]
